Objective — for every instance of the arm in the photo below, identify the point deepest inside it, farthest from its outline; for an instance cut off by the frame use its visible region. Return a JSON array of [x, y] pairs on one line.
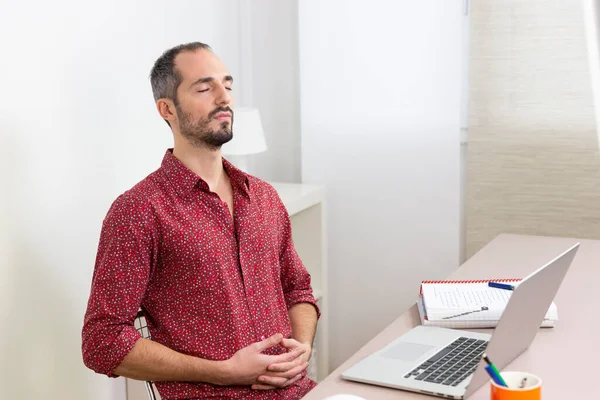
[[151, 361], [111, 345], [303, 317], [303, 310], [296, 283], [121, 274]]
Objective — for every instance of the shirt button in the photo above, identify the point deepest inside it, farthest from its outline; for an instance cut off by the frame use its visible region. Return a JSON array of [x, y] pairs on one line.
[[250, 292]]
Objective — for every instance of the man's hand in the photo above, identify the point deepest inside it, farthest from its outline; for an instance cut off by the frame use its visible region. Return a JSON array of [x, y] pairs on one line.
[[248, 364], [285, 373], [292, 345]]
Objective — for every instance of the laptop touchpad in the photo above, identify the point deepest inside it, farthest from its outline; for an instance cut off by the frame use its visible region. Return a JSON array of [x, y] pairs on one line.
[[406, 351]]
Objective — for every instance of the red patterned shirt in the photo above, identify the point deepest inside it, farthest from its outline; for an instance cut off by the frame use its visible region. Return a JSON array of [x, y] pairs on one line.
[[208, 284]]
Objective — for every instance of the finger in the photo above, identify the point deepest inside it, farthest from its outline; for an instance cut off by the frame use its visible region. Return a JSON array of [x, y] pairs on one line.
[[295, 371], [291, 372], [269, 342], [291, 381], [272, 380], [289, 356], [285, 366], [263, 387], [290, 343]]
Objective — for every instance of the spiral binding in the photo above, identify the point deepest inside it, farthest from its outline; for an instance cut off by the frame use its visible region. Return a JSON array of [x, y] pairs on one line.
[[474, 281]]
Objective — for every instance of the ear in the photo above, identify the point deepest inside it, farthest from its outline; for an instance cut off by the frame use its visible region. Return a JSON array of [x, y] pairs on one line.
[[166, 109]]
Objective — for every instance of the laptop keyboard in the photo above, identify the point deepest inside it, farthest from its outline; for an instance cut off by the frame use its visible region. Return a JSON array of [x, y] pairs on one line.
[[453, 364]]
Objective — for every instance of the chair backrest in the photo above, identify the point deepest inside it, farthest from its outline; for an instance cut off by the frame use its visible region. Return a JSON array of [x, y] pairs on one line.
[[141, 325]]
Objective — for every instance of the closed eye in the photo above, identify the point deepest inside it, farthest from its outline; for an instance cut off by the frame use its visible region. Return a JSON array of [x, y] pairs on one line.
[[203, 90]]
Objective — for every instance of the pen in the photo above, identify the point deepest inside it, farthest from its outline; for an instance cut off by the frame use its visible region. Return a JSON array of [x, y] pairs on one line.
[[466, 313], [492, 368], [523, 382], [495, 377], [501, 286]]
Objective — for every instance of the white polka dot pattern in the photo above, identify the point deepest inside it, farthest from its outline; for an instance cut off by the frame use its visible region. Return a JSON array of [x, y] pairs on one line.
[[209, 284]]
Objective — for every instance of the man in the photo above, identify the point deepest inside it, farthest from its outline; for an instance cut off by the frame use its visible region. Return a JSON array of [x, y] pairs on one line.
[[206, 251]]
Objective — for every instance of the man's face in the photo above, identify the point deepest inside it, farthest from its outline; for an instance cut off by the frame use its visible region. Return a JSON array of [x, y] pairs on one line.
[[204, 97]]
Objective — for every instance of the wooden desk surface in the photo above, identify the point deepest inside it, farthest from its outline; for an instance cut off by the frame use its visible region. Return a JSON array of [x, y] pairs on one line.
[[562, 356]]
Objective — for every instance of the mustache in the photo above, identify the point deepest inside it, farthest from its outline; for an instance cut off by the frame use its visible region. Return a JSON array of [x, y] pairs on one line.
[[218, 110]]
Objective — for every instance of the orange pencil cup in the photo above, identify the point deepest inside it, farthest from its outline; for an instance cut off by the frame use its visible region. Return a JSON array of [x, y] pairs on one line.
[[521, 386]]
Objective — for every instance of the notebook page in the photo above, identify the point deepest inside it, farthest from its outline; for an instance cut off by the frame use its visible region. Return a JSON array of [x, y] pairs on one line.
[[464, 296], [477, 320], [469, 301], [455, 298]]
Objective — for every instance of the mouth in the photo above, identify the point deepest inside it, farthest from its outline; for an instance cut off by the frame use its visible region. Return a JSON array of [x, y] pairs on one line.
[[222, 116]]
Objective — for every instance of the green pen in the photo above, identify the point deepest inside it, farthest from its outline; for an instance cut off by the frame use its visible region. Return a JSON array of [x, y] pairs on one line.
[[493, 367]]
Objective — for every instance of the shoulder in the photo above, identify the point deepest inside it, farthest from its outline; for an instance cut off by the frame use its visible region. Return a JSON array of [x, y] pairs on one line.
[[263, 191], [267, 198], [136, 203]]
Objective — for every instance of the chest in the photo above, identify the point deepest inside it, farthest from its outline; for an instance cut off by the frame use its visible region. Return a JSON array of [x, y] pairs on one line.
[[225, 194], [201, 241]]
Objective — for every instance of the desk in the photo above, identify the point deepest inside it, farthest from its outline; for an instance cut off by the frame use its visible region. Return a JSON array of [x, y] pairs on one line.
[[561, 356]]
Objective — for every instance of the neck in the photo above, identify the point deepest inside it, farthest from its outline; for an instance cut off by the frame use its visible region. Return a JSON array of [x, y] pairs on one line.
[[204, 162]]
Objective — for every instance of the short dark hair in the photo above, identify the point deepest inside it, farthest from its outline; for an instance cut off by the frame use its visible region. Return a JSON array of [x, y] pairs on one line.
[[164, 77]]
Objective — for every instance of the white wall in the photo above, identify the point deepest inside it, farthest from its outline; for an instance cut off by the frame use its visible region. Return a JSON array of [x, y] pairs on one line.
[[380, 85], [269, 55], [77, 128]]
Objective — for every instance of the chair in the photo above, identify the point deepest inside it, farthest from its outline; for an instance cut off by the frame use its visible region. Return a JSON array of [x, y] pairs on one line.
[[141, 325]]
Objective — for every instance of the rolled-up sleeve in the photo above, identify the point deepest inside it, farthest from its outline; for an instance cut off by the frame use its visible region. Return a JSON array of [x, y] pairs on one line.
[[295, 279], [121, 274]]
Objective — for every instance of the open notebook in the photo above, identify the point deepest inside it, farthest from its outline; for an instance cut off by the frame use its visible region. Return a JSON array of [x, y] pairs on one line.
[[468, 304]]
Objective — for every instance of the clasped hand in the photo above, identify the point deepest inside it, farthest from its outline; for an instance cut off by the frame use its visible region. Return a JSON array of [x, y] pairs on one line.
[[265, 372]]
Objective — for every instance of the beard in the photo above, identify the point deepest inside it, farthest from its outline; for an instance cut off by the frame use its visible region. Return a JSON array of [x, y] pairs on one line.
[[200, 134]]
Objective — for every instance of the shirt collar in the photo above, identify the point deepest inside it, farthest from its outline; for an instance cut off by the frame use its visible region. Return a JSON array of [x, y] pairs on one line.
[[184, 179], [237, 177]]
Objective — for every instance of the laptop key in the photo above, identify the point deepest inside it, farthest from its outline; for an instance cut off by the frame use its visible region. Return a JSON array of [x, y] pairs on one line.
[[422, 376], [440, 355]]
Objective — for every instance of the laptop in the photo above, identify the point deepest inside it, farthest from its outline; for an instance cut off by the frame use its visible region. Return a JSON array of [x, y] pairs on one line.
[[447, 362]]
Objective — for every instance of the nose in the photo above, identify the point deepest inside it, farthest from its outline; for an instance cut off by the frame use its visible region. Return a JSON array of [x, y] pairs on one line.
[[224, 96]]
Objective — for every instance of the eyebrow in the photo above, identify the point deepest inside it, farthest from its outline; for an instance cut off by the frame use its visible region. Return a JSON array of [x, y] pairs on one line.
[[227, 78]]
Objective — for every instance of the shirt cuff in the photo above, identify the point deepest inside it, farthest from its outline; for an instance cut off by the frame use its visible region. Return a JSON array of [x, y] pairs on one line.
[[302, 296], [122, 345]]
